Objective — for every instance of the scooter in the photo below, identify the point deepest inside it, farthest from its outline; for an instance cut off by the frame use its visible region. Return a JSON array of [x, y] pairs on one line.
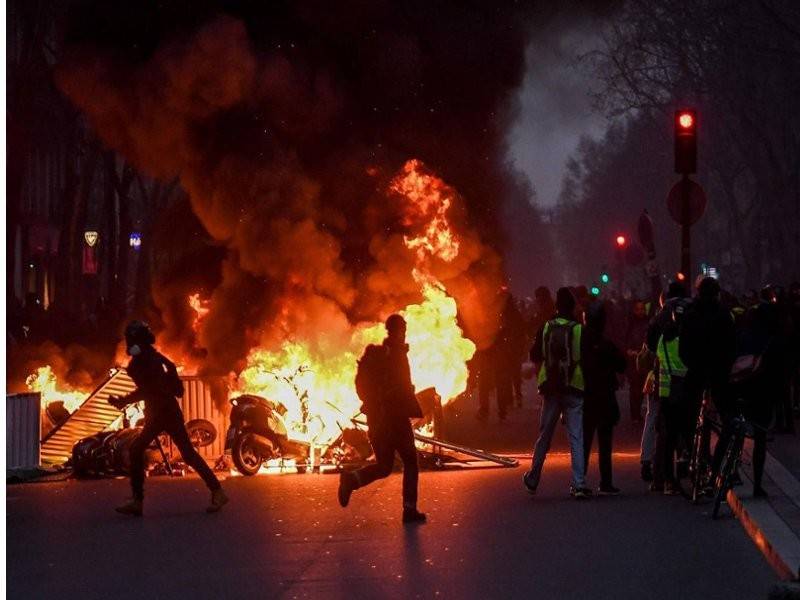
[[258, 433]]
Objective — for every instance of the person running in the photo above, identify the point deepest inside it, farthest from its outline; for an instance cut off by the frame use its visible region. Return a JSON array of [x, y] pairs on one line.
[[158, 384], [556, 353], [383, 383]]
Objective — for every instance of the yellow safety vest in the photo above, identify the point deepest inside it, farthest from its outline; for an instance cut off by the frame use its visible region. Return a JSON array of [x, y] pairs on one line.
[[669, 365], [576, 379]]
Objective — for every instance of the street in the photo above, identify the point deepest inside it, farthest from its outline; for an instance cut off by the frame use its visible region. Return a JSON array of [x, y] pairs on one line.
[[285, 536]]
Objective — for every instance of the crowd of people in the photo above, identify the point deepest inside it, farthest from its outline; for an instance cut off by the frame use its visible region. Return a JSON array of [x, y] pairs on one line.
[[741, 353]]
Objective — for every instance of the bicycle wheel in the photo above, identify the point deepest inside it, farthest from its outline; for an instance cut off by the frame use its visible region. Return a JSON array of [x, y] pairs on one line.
[[724, 479], [697, 464]]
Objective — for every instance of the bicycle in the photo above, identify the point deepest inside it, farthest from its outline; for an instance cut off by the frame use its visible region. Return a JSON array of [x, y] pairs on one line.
[[699, 464], [740, 428]]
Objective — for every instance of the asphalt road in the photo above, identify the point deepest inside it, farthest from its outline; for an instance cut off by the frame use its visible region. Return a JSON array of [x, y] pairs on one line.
[[284, 536]]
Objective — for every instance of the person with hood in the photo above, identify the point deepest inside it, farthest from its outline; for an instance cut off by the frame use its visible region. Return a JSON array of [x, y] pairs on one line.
[[557, 353], [158, 385], [707, 348], [602, 361], [383, 383]]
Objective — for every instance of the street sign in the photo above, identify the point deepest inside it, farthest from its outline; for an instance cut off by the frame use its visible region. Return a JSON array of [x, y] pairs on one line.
[[697, 202]]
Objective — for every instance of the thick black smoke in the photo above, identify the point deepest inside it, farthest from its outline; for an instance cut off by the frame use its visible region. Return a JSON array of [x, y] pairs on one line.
[[285, 122]]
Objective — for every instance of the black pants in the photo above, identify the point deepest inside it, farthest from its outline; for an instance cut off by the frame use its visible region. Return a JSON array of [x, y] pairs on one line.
[[669, 427], [387, 438], [605, 432], [174, 427]]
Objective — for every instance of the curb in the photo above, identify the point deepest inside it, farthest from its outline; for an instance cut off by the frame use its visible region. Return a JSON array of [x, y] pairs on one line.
[[779, 544]]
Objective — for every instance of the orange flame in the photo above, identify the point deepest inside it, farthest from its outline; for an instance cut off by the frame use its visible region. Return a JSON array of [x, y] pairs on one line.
[[316, 383], [201, 309], [45, 382]]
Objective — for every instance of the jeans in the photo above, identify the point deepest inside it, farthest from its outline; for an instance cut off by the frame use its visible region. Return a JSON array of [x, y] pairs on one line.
[[571, 405], [394, 435], [648, 450], [173, 425]]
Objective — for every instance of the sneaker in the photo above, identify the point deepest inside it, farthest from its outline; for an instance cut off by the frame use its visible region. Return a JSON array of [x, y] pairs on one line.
[[608, 490], [671, 489], [218, 500], [347, 484], [647, 471], [412, 515], [529, 485], [581, 493], [131, 507]]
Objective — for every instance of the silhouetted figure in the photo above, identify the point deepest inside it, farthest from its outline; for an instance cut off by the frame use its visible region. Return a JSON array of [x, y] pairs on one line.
[[601, 361], [383, 383], [158, 385], [634, 339]]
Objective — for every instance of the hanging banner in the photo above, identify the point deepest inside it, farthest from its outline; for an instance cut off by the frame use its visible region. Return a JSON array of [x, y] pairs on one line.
[[89, 260]]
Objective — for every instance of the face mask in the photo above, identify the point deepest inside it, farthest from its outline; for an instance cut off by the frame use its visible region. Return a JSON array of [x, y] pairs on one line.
[[134, 350]]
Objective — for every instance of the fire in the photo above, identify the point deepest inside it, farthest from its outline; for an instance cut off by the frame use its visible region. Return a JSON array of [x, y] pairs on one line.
[[45, 382], [429, 200], [317, 385], [201, 309]]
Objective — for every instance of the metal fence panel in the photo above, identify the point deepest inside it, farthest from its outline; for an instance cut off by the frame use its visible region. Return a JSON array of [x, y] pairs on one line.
[[198, 403], [23, 430]]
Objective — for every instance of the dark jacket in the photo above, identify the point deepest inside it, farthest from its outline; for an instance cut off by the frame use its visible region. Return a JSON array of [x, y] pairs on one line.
[[389, 390], [157, 383], [601, 361], [707, 342]]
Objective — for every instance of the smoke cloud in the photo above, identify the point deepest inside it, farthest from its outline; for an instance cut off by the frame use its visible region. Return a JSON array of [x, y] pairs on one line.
[[285, 124]]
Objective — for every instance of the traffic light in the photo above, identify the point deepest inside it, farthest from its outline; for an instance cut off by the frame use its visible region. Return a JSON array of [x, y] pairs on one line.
[[604, 278], [594, 291], [621, 241], [686, 141]]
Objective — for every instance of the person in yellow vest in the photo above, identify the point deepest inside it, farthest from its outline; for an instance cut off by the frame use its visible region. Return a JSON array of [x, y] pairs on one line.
[[556, 354], [671, 393]]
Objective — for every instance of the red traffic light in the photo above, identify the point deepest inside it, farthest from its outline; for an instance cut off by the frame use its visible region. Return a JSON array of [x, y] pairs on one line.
[[621, 241], [686, 120]]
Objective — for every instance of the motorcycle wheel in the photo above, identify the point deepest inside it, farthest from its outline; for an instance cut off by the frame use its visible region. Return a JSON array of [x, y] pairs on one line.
[[201, 432], [245, 456]]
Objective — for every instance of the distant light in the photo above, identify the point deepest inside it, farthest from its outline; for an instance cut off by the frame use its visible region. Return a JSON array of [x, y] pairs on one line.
[[686, 120], [621, 241], [604, 278], [681, 277], [90, 237], [595, 291], [135, 240], [31, 265]]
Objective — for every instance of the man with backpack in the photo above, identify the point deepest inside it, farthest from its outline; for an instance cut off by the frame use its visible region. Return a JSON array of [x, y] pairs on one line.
[[158, 384], [383, 383], [557, 353]]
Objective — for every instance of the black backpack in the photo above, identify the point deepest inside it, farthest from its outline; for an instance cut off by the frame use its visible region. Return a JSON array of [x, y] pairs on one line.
[[558, 362], [171, 381], [369, 378]]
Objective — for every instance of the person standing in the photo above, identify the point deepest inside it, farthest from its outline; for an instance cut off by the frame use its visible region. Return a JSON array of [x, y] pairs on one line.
[[158, 384], [601, 361], [634, 340], [383, 383], [557, 353]]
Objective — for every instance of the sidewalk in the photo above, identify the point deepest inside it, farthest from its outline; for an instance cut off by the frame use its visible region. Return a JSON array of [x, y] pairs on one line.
[[773, 523]]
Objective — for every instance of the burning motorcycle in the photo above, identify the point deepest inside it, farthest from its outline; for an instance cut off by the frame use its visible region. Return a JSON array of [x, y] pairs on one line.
[[258, 433]]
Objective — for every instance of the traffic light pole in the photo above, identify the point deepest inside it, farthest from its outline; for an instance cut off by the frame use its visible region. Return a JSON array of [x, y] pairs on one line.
[[686, 255]]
